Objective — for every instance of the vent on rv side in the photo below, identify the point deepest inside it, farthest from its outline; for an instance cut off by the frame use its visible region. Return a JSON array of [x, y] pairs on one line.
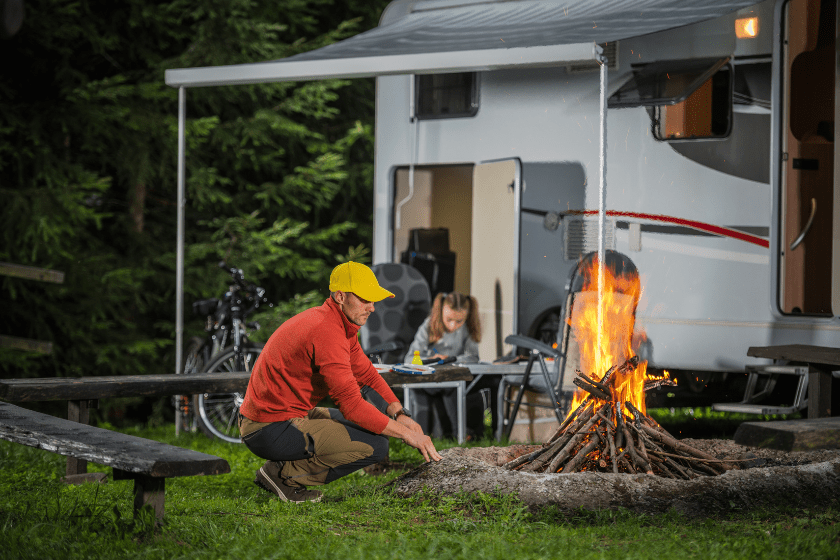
[[581, 236], [443, 96], [688, 99], [610, 51]]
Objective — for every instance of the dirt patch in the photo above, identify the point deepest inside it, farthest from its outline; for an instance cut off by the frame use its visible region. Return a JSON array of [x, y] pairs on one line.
[[386, 466], [491, 455], [769, 479]]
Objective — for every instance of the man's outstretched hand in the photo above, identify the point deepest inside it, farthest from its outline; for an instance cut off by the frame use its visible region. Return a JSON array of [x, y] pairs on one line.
[[422, 443], [412, 434]]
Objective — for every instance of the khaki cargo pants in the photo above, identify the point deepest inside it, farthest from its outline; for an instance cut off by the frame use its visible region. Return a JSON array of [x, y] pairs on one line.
[[318, 448]]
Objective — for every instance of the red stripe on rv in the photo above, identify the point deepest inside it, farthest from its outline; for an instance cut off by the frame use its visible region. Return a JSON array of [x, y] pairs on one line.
[[709, 228]]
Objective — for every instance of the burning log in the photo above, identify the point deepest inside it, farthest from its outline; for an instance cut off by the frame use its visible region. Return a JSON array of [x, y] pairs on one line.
[[591, 388], [655, 383], [605, 434]]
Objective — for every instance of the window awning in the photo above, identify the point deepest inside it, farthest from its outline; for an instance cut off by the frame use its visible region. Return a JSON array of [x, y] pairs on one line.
[[665, 83], [440, 36]]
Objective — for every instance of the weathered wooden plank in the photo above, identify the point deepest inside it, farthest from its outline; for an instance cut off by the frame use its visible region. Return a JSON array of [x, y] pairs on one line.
[[445, 373], [791, 435], [31, 273], [121, 451], [26, 344], [103, 387], [798, 353]]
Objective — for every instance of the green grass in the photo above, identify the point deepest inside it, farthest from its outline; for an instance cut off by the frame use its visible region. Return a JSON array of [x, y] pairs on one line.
[[227, 516]]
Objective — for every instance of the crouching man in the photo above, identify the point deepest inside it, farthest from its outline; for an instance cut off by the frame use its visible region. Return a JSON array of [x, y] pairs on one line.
[[313, 355]]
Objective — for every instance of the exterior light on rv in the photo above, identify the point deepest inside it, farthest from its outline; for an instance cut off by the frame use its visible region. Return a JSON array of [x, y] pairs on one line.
[[746, 28]]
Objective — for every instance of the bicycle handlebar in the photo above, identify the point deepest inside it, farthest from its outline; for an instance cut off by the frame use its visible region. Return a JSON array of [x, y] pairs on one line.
[[254, 293]]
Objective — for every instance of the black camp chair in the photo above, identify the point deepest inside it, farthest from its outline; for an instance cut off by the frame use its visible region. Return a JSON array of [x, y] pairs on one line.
[[390, 329]]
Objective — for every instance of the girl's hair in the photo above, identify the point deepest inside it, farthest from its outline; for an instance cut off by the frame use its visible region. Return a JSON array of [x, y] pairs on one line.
[[457, 302]]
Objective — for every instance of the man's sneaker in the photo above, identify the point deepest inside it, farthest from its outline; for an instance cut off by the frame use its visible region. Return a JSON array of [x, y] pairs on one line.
[[269, 479]]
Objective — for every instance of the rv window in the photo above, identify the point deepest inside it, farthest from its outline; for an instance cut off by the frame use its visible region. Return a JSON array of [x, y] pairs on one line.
[[441, 96], [706, 113], [687, 99]]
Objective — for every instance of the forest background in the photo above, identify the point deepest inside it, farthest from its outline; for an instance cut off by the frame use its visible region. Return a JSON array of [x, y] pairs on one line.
[[279, 177]]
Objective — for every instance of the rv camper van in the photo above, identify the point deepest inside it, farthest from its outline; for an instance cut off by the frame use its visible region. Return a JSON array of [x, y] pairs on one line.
[[719, 183], [695, 139]]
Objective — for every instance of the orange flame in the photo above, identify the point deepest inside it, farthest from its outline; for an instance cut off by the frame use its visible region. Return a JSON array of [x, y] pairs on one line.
[[604, 331]]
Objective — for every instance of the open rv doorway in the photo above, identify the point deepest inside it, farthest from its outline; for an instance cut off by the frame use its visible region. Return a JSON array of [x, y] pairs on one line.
[[808, 183], [442, 200], [478, 207]]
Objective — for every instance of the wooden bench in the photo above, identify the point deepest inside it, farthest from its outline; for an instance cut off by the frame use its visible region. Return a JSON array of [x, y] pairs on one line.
[[84, 393], [148, 462]]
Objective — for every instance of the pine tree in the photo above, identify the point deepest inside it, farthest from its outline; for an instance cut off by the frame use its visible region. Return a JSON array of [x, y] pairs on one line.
[[279, 176]]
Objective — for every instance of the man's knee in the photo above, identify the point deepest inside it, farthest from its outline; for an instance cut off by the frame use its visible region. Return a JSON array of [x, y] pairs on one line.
[[380, 448]]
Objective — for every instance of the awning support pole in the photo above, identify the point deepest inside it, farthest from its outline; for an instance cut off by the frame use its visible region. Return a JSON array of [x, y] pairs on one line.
[[602, 197], [413, 120], [179, 258]]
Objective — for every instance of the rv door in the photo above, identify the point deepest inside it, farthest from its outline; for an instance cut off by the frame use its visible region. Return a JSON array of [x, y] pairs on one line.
[[495, 252], [809, 184]]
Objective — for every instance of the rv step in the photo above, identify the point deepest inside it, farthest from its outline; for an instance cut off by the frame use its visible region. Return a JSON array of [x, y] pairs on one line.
[[751, 397], [781, 370], [753, 408]]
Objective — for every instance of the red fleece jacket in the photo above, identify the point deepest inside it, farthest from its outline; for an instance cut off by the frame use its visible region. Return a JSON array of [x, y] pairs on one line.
[[314, 354]]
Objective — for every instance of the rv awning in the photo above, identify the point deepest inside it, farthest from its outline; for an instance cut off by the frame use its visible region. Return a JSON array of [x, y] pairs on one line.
[[441, 36]]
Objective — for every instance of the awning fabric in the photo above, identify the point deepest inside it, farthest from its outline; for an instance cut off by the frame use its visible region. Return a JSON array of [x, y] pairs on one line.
[[440, 36]]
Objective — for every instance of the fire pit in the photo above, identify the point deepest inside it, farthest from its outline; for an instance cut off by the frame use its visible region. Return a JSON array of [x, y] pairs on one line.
[[608, 453], [771, 479], [608, 429], [598, 436]]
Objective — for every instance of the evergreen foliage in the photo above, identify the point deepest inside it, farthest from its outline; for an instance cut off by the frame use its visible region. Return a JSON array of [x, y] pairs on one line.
[[279, 176]]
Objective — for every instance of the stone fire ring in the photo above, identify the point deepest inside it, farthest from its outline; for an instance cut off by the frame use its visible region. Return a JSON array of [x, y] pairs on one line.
[[783, 480]]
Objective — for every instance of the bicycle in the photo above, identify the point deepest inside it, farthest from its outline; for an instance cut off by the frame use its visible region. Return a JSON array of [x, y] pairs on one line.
[[226, 348]]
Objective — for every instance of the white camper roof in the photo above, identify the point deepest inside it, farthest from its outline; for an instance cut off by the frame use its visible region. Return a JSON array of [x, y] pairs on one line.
[[441, 36]]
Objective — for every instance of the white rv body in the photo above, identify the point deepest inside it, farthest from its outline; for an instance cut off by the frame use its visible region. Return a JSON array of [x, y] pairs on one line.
[[708, 240]]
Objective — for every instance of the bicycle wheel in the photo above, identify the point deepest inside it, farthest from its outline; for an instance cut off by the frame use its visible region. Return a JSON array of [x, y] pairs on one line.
[[194, 357], [217, 413]]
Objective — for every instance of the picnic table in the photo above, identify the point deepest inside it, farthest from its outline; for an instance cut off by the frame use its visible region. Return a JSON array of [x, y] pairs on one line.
[[445, 376]]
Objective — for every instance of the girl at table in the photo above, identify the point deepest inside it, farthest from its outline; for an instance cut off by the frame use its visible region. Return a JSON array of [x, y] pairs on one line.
[[451, 329]]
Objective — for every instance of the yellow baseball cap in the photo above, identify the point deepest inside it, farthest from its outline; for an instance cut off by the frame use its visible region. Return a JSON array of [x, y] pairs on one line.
[[359, 279]]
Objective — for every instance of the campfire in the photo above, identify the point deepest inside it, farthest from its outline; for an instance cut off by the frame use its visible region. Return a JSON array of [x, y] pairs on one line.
[[608, 429]]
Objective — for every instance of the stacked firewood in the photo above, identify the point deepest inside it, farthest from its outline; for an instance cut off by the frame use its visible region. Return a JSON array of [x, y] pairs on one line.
[[606, 435]]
